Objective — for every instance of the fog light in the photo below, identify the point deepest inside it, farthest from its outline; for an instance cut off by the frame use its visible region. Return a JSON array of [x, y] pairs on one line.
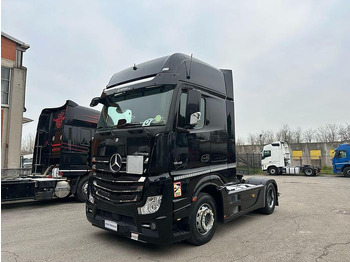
[[151, 206]]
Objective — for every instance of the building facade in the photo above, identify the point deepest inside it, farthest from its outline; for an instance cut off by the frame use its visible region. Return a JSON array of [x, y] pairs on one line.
[[13, 87]]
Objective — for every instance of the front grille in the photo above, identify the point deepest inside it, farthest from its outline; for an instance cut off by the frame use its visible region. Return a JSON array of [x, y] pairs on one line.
[[102, 164], [123, 189]]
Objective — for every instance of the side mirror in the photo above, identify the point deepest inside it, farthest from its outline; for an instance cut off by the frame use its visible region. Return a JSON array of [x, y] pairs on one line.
[[192, 108], [95, 101], [195, 118]]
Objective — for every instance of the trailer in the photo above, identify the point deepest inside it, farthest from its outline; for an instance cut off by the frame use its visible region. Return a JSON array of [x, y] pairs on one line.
[[275, 159], [60, 165], [163, 156]]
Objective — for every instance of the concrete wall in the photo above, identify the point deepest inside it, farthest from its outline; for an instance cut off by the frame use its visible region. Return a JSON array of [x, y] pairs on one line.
[[324, 160]]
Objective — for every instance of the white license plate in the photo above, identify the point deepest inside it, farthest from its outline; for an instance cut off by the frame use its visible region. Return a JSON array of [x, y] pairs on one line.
[[134, 165], [111, 225]]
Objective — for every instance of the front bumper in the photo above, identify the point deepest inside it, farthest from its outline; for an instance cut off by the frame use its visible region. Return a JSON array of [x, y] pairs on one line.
[[132, 225]]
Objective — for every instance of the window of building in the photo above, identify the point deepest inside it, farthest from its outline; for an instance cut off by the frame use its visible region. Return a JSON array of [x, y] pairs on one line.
[[5, 85], [182, 112]]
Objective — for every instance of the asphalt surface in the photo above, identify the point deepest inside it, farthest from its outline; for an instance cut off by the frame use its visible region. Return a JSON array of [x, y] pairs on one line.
[[312, 223]]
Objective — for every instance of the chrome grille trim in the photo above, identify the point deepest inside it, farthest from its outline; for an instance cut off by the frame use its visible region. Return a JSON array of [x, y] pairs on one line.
[[118, 191], [141, 180]]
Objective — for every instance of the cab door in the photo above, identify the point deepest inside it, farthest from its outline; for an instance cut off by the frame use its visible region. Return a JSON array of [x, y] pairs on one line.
[[192, 142], [340, 158]]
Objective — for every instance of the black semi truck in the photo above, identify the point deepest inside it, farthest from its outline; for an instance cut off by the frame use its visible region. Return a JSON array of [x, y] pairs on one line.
[[60, 167], [163, 155]]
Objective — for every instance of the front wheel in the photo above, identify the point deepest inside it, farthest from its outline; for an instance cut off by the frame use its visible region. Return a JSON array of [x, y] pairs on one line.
[[203, 220], [81, 193], [273, 171], [346, 171], [270, 199]]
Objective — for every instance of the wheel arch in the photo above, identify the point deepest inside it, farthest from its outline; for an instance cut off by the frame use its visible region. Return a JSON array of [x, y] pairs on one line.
[[344, 166], [75, 182], [263, 181], [213, 190]]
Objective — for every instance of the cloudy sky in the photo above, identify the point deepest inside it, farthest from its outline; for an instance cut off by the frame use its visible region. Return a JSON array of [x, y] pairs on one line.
[[290, 59]]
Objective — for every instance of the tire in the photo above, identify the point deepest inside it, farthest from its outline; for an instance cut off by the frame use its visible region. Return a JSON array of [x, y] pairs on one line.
[[273, 171], [270, 199], [308, 171], [203, 220], [346, 171], [81, 192]]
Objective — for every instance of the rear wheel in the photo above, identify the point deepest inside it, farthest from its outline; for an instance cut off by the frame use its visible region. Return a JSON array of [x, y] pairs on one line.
[[202, 220], [308, 171], [81, 193], [273, 170], [346, 171], [270, 199]]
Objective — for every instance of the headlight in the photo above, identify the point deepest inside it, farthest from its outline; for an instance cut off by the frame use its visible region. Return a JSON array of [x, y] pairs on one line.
[[152, 205]]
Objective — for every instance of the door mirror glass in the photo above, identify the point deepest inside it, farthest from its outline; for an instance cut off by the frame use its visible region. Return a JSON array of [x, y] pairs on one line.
[[195, 118]]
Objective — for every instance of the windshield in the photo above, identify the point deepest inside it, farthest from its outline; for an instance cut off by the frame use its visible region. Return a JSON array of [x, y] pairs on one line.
[[146, 107]]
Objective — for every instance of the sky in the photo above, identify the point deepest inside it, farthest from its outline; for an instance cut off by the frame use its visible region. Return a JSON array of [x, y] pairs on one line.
[[291, 59]]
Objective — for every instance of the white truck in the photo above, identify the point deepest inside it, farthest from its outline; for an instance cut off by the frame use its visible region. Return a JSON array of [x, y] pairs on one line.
[[276, 160]]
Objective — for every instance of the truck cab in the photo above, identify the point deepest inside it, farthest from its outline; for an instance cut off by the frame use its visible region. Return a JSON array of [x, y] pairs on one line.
[[163, 156], [341, 160], [274, 157]]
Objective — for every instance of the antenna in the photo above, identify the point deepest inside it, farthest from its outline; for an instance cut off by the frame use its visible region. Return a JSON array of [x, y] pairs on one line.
[[134, 67], [189, 71]]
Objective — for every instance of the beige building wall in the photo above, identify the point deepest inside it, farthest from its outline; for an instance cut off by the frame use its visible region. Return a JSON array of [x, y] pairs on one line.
[[12, 114]]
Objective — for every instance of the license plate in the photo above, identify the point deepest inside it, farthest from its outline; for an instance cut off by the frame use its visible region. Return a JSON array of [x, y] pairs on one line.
[[111, 225]]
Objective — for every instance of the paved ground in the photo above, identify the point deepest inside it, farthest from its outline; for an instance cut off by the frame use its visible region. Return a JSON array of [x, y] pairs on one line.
[[312, 223]]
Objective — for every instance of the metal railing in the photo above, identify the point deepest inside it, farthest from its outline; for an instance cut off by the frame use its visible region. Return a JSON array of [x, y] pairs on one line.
[[7, 173]]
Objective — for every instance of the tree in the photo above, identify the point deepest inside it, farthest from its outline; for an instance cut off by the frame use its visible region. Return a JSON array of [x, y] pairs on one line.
[[309, 135], [239, 141], [28, 144], [327, 133], [344, 132], [252, 139], [284, 134]]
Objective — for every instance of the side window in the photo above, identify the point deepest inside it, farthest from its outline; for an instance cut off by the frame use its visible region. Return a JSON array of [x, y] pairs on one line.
[[85, 136], [341, 154], [266, 153], [182, 112]]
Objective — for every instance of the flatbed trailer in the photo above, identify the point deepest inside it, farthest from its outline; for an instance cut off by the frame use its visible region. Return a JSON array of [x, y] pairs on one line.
[[60, 165]]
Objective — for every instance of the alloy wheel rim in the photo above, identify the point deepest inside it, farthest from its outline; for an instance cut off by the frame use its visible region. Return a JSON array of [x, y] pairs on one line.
[[270, 198], [85, 188], [204, 219]]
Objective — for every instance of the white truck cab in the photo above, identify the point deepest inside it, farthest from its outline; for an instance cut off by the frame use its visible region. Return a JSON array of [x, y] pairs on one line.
[[275, 159], [275, 156]]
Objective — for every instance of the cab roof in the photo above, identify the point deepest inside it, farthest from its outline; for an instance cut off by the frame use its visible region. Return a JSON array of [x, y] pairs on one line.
[[182, 66]]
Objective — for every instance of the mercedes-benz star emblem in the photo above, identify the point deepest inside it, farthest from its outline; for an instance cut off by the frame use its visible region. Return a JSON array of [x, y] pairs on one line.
[[115, 163]]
